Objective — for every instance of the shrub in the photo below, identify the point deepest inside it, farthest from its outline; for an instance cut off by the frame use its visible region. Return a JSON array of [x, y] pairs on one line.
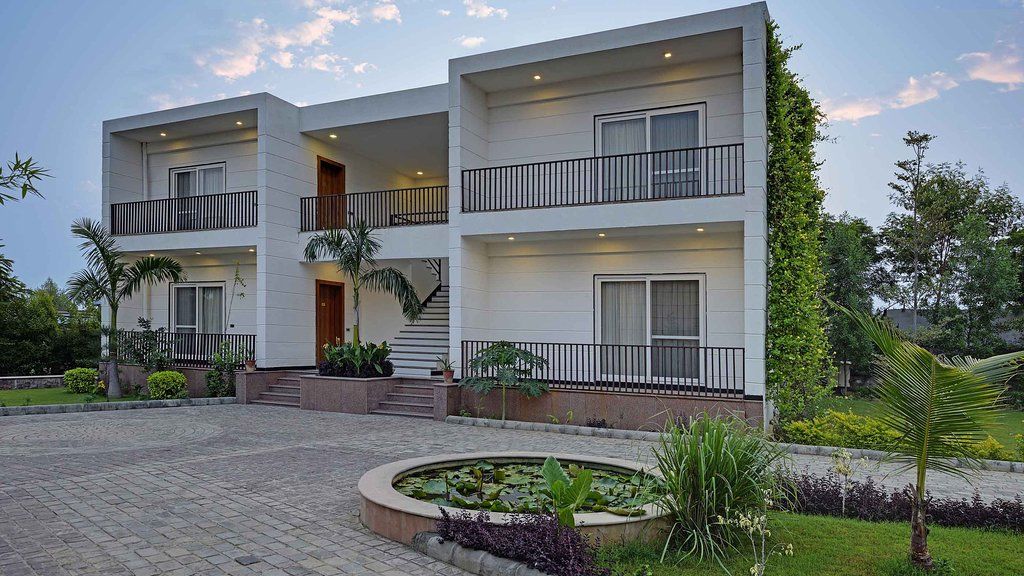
[[167, 385], [990, 449], [869, 501], [364, 360], [844, 429], [220, 380], [150, 349], [535, 540], [715, 467], [81, 380]]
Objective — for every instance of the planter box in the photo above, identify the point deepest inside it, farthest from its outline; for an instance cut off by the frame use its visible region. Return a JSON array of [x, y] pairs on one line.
[[348, 395]]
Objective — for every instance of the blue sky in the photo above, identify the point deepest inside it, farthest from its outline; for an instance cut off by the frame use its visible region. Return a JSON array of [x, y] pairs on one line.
[[955, 69]]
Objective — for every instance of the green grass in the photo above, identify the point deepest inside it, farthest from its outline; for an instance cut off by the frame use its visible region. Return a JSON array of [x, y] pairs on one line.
[[843, 547], [1009, 424], [43, 396]]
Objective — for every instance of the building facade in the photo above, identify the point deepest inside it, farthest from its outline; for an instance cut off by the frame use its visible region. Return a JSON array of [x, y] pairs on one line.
[[598, 199]]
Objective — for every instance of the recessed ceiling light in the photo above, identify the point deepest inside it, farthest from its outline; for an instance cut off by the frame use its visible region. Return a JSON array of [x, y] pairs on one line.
[[600, 234], [667, 54], [511, 237], [700, 229], [163, 133], [536, 76], [332, 135], [198, 252], [238, 123], [252, 249], [151, 255], [419, 172]]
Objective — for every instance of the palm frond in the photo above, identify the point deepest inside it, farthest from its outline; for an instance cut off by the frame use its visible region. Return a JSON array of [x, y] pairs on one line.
[[149, 270], [98, 246], [392, 281], [89, 285]]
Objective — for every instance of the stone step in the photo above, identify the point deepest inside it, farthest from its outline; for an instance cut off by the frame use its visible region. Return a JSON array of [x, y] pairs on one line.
[[288, 380], [280, 397], [430, 322], [284, 389], [420, 399], [426, 364], [424, 329], [417, 389], [276, 403], [433, 345], [401, 413]]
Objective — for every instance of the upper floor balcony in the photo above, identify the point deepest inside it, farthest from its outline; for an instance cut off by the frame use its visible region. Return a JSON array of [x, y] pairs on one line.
[[379, 209], [184, 214], [698, 172]]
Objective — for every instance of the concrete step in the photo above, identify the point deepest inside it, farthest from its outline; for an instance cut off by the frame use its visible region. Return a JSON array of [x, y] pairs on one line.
[[284, 389], [423, 329], [280, 397], [416, 389], [429, 321], [423, 364], [401, 413], [276, 403], [433, 346], [425, 399], [288, 380], [416, 352], [407, 407]]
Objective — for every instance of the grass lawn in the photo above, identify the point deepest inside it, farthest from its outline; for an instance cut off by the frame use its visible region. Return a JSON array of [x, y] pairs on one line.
[[50, 396], [843, 547], [1010, 422]]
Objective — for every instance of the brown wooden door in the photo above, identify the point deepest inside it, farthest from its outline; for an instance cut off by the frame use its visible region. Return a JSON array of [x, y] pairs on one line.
[[330, 189], [330, 314]]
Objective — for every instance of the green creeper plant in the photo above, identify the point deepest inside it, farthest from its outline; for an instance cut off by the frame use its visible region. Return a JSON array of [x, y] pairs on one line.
[[567, 494], [503, 365], [354, 251], [940, 406]]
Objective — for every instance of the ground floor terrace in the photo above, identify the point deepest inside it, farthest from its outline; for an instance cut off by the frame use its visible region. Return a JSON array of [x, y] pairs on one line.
[[246, 489]]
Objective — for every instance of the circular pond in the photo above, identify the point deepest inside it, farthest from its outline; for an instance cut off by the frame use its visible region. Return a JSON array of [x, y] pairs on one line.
[[403, 498]]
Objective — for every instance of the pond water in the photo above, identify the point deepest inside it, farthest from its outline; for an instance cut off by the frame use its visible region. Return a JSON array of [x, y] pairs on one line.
[[520, 487]]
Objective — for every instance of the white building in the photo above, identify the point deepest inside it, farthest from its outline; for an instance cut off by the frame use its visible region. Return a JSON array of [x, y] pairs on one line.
[[602, 194]]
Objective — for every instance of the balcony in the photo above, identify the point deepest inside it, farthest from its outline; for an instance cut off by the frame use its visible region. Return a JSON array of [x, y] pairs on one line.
[[669, 174], [668, 370], [186, 349], [380, 209], [184, 214]]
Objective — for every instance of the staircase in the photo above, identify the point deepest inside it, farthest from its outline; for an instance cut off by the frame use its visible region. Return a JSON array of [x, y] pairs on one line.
[[408, 399], [283, 392], [415, 350]]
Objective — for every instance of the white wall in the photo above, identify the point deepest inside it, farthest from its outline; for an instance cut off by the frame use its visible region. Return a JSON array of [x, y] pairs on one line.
[[237, 149]]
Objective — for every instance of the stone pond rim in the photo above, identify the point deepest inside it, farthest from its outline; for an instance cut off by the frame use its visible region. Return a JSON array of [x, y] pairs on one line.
[[386, 511]]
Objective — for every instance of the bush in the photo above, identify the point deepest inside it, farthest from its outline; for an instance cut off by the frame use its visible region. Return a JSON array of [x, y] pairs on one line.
[[822, 495], [844, 429], [716, 467], [535, 540], [167, 385], [990, 449], [81, 380], [220, 380], [367, 360]]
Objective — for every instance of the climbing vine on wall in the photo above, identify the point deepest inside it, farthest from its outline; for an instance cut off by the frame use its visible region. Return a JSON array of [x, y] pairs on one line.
[[798, 367]]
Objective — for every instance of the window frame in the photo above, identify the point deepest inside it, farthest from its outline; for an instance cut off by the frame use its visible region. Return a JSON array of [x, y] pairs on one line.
[[172, 181], [172, 320], [700, 108]]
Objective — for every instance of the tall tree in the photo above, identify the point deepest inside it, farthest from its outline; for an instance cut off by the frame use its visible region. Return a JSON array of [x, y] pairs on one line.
[[21, 176], [111, 277], [852, 274], [354, 250], [797, 359]]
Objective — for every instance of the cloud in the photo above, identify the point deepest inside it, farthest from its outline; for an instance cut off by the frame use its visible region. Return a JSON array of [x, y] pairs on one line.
[[284, 59], [444, 12], [363, 67], [923, 89], [240, 60], [325, 63], [386, 11], [470, 41], [851, 111], [1003, 65], [480, 9], [166, 101]]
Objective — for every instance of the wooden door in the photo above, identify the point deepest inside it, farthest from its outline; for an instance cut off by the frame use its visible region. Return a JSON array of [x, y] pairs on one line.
[[330, 314], [330, 189]]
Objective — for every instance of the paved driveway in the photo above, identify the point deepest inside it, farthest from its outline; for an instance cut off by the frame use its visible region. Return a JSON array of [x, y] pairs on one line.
[[195, 490]]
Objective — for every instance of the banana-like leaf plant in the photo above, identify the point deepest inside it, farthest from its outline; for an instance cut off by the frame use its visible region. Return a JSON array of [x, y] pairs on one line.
[[939, 405], [111, 277], [354, 250], [503, 365], [567, 495]]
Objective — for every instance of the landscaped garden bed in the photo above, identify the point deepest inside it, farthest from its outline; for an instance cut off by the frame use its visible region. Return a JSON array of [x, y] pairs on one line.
[[46, 396]]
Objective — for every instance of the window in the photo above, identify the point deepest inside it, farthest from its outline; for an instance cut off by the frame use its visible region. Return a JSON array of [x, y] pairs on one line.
[[651, 326], [671, 166], [198, 180], [197, 308]]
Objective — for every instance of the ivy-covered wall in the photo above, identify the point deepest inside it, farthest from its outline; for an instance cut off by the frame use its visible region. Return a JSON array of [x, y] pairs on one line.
[[797, 361]]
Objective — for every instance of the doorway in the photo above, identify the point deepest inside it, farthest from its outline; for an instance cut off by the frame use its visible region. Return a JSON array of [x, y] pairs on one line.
[[330, 314], [330, 191]]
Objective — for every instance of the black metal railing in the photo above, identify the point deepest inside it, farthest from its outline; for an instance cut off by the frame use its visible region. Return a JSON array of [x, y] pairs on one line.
[[683, 370], [380, 209], [203, 212], [187, 349], [683, 173]]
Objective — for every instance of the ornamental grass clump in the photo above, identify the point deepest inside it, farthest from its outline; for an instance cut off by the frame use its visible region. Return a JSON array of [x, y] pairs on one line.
[[713, 469]]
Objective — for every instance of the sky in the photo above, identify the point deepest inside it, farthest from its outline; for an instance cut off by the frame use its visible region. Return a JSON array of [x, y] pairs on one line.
[[878, 69]]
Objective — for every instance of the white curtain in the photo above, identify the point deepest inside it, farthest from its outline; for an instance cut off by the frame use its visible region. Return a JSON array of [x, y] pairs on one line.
[[624, 322], [675, 311], [213, 180], [184, 183], [185, 309], [213, 310], [676, 174], [624, 177]]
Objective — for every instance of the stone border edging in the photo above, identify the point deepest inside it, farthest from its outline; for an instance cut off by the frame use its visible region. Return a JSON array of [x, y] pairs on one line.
[[468, 559], [992, 465], [109, 406]]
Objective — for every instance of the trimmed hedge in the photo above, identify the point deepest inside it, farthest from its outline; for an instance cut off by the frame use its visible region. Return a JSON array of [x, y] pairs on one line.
[[81, 380], [167, 385]]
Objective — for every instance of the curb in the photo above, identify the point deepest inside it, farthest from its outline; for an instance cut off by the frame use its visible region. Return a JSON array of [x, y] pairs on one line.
[[991, 465], [468, 559], [110, 406]]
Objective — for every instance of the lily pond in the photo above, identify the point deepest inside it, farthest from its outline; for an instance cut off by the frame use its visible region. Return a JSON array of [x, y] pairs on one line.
[[521, 487]]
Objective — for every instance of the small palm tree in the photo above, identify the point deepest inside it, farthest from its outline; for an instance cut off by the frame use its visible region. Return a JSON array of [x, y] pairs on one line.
[[354, 250], [109, 276], [505, 366], [939, 405]]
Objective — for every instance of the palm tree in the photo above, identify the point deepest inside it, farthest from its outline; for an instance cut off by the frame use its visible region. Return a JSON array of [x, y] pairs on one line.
[[354, 250], [109, 276], [939, 405]]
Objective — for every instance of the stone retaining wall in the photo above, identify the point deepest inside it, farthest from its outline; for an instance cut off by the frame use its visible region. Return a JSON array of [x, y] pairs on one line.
[[31, 382], [106, 406]]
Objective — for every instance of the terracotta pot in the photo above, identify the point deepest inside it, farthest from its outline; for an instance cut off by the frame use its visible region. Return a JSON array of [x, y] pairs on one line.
[[250, 365], [449, 376]]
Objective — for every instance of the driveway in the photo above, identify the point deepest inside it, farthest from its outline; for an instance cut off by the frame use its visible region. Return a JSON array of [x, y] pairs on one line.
[[238, 489]]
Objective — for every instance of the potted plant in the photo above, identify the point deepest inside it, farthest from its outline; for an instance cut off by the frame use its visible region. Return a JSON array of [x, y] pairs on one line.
[[250, 364], [447, 369]]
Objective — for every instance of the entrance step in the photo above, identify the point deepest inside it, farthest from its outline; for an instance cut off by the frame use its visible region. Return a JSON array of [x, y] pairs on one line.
[[402, 413]]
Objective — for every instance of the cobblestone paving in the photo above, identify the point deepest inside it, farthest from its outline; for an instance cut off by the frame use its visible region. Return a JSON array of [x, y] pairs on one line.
[[240, 489]]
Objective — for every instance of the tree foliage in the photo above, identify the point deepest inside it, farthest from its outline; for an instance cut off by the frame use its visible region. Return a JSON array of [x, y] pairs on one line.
[[797, 348]]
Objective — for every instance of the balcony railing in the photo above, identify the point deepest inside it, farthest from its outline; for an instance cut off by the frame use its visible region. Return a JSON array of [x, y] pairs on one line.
[[698, 371], [684, 173], [381, 209], [186, 213], [188, 349]]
